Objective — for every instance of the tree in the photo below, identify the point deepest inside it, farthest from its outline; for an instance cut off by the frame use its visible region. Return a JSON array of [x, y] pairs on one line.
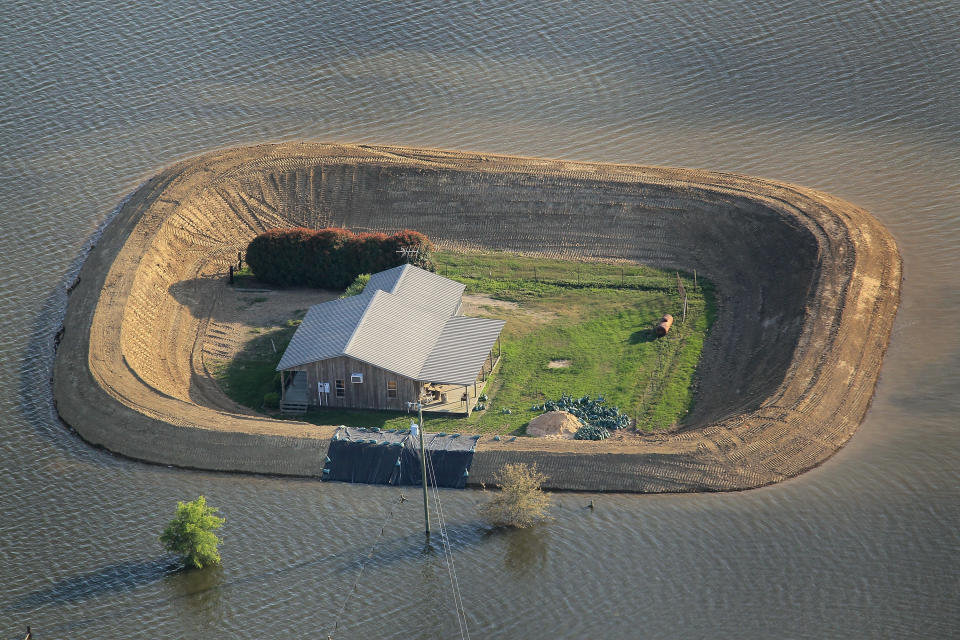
[[521, 502], [191, 535]]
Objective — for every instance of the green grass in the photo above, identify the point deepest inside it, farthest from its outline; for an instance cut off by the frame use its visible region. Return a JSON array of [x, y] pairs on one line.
[[244, 279], [251, 374], [597, 316]]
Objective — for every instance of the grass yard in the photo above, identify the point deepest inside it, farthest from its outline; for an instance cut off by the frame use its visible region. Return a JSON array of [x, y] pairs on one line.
[[574, 328], [250, 375]]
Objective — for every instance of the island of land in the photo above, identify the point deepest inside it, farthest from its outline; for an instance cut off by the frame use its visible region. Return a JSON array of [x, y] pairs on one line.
[[806, 287]]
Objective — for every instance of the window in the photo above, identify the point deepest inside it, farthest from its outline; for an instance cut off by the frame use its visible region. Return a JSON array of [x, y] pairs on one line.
[[339, 386], [391, 388], [356, 378]]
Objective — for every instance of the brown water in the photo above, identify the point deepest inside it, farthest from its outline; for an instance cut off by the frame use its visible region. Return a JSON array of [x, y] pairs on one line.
[[860, 99]]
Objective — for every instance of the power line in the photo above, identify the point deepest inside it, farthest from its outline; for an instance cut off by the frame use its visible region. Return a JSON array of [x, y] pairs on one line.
[[363, 566], [448, 557]]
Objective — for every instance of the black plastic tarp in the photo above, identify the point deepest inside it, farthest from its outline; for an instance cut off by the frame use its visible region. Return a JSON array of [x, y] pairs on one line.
[[373, 456]]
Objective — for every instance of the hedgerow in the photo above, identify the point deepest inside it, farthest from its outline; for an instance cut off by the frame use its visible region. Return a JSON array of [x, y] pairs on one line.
[[332, 258]]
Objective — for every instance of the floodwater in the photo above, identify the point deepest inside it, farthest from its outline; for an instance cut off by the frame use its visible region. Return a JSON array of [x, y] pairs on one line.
[[857, 98]]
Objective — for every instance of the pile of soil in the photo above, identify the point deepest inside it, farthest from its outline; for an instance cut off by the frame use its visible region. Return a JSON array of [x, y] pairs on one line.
[[554, 424]]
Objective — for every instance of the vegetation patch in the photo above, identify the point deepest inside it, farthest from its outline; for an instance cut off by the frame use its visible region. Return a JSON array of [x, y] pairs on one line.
[[596, 318], [191, 534], [521, 502], [357, 286], [331, 258], [250, 378]]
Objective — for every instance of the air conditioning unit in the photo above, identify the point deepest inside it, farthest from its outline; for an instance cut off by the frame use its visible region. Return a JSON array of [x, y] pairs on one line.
[[356, 378]]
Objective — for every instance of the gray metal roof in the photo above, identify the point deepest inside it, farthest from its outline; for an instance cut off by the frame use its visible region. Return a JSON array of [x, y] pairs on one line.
[[395, 335], [460, 350], [325, 331], [422, 288], [398, 329]]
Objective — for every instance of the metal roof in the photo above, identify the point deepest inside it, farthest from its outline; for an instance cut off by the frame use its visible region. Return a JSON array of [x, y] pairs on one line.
[[395, 335], [403, 322], [325, 331], [460, 350], [422, 288]]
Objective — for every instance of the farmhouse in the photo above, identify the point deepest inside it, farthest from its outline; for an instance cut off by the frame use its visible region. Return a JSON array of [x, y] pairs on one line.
[[401, 340]]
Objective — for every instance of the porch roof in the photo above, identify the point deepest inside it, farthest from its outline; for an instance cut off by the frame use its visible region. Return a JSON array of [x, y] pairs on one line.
[[460, 350]]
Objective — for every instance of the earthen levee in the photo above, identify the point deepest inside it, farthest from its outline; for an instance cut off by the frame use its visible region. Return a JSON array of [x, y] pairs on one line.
[[808, 286]]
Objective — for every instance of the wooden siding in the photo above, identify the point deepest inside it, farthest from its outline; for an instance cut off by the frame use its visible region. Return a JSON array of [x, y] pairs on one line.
[[369, 394]]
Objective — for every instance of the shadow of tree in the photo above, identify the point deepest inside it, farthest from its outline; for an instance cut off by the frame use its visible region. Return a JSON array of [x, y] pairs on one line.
[[115, 578], [200, 295], [200, 589]]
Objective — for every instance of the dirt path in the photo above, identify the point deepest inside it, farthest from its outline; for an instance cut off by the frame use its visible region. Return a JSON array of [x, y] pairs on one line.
[[808, 288]]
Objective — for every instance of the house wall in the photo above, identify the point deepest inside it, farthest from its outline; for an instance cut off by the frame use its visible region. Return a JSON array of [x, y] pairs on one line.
[[369, 394]]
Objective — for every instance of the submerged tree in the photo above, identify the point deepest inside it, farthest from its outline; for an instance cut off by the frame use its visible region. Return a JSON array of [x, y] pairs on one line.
[[191, 535], [520, 502]]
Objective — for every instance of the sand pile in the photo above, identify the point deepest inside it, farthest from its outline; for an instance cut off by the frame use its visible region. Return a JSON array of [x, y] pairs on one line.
[[554, 424]]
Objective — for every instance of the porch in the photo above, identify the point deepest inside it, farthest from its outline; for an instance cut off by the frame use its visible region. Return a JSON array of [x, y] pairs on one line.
[[439, 397]]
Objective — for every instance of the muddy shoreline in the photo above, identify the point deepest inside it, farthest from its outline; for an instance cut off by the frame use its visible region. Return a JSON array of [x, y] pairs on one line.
[[808, 287]]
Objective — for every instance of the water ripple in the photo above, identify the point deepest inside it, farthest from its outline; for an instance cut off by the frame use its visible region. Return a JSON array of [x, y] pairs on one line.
[[858, 98]]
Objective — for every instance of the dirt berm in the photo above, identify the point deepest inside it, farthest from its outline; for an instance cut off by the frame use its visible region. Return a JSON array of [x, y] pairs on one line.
[[808, 286]]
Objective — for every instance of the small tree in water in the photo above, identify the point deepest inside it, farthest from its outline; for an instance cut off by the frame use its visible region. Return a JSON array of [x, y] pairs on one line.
[[520, 502], [191, 535]]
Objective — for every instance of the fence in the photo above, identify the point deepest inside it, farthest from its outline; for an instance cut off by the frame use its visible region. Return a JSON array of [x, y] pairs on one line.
[[575, 274]]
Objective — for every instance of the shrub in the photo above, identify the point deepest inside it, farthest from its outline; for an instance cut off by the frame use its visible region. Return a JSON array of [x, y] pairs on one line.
[[366, 252], [408, 240], [190, 534], [271, 400], [356, 287], [323, 264], [331, 258], [520, 502], [278, 256]]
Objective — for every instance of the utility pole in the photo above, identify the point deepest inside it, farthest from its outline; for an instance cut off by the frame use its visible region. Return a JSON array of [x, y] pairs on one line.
[[423, 469]]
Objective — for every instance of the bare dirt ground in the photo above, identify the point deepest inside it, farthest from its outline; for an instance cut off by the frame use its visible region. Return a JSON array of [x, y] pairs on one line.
[[237, 317], [481, 305], [473, 303], [808, 287], [241, 315]]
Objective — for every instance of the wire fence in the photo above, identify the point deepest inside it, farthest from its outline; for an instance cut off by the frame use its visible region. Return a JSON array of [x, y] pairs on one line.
[[578, 274], [685, 290]]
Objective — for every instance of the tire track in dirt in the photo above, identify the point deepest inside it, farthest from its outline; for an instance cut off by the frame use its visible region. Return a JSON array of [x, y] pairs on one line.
[[808, 287]]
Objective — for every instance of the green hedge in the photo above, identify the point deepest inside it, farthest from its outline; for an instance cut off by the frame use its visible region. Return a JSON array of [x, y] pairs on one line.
[[331, 258]]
